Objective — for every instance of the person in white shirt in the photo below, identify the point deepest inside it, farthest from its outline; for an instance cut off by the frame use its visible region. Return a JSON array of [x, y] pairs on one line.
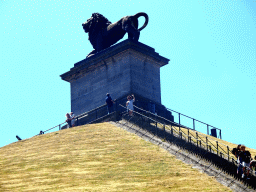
[[129, 104], [72, 115]]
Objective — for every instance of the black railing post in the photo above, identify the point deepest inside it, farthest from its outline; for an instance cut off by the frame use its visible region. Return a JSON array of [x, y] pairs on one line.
[[228, 152], [179, 121], [207, 129], [59, 127], [164, 131], [194, 128], [220, 133], [217, 147], [206, 139], [156, 128]]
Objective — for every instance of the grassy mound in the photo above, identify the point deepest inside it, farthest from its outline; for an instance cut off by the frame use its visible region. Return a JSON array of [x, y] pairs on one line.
[[99, 157]]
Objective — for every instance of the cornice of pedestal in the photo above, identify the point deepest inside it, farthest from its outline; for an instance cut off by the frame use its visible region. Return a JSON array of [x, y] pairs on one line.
[[92, 62]]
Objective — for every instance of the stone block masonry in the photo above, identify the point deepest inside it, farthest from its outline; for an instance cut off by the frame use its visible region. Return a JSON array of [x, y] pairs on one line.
[[125, 68]]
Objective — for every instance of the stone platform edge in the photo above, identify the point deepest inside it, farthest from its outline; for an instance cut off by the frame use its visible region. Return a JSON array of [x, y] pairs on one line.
[[110, 52]]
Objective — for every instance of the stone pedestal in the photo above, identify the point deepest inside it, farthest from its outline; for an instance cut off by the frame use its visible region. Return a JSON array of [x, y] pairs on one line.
[[125, 68]]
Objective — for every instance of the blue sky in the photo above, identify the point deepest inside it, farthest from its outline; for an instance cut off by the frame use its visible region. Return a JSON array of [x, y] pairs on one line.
[[210, 44]]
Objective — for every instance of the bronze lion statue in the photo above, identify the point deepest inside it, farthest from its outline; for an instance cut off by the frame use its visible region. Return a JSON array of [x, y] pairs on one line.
[[102, 33]]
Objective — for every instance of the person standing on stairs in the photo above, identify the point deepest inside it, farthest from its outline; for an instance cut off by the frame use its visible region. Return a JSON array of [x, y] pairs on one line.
[[245, 157], [129, 104]]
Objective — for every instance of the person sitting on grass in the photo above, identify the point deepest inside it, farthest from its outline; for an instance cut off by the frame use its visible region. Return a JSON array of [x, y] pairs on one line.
[[245, 157]]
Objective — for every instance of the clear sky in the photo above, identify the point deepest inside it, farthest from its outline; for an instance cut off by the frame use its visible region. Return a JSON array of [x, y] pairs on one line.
[[210, 44]]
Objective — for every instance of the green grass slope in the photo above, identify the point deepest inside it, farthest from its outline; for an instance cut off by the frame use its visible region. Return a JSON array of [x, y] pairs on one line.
[[99, 157]]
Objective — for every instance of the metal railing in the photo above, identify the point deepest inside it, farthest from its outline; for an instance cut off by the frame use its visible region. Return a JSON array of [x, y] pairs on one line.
[[88, 117], [102, 111], [189, 136], [94, 114], [194, 122], [193, 135]]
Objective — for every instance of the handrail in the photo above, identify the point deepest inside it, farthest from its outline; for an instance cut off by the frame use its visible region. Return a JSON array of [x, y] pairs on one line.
[[217, 143], [217, 147], [54, 127], [80, 116], [173, 123], [86, 113], [196, 121], [192, 118], [76, 117], [203, 142], [104, 105], [157, 116], [183, 126]]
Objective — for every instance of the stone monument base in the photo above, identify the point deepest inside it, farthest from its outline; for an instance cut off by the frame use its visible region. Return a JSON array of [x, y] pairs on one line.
[[125, 68]]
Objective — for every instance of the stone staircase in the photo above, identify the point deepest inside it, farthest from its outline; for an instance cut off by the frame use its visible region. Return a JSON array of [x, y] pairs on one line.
[[208, 160]]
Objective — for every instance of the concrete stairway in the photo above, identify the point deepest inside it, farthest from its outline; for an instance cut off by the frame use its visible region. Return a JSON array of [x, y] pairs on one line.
[[214, 163]]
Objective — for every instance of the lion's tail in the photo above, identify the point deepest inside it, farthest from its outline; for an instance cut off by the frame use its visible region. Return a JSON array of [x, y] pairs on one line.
[[146, 19]]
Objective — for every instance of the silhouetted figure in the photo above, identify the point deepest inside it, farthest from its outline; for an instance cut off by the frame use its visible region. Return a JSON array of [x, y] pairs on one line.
[[236, 151], [110, 103], [18, 137], [68, 120], [41, 132]]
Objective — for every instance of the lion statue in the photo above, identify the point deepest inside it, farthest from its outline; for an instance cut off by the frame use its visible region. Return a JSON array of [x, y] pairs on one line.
[[102, 33]]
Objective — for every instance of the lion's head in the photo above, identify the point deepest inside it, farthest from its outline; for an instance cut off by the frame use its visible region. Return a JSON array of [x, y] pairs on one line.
[[96, 20]]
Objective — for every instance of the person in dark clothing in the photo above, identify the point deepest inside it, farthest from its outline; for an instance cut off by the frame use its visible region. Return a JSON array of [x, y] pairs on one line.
[[236, 152], [245, 158], [110, 103]]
